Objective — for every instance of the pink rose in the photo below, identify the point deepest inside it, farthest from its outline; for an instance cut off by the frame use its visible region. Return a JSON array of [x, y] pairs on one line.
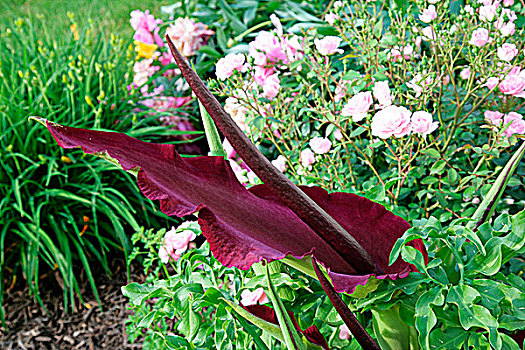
[[266, 50], [465, 73], [491, 83], [320, 145], [488, 12], [493, 117], [280, 163], [429, 14], [422, 123], [338, 135], [330, 18], [328, 45], [144, 20], [429, 33], [513, 84], [252, 298], [340, 91], [507, 52], [165, 256], [227, 65], [391, 121], [307, 158], [479, 37], [358, 106], [176, 243], [469, 9], [517, 124], [508, 3], [271, 86], [187, 35]]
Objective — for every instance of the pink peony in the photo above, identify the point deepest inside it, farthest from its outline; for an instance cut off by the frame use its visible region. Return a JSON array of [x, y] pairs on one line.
[[493, 117], [271, 86], [252, 298], [479, 37], [320, 145], [422, 123], [328, 45], [187, 35], [358, 106], [227, 65], [391, 121], [517, 124], [429, 14], [465, 73], [280, 163], [507, 52], [307, 158]]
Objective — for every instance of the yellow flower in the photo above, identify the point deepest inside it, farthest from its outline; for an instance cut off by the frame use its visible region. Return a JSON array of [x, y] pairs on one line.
[[74, 30], [144, 50]]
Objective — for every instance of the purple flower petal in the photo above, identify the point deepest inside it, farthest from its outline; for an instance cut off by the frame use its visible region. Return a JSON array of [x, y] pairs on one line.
[[246, 226]]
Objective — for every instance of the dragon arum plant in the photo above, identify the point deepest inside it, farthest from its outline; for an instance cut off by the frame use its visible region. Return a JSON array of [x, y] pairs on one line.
[[349, 235]]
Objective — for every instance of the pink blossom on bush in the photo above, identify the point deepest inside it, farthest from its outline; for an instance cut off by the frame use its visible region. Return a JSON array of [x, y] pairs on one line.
[[513, 84], [493, 117], [307, 157], [344, 332], [277, 24], [338, 135], [176, 243], [508, 3], [228, 149], [479, 37], [280, 163], [507, 52], [507, 29], [422, 123], [358, 106], [330, 18], [240, 173], [271, 86], [294, 48], [252, 298], [465, 73], [266, 50], [328, 45], [468, 9], [488, 12], [143, 20], [391, 121], [517, 124], [340, 91], [143, 70], [395, 53], [237, 112], [187, 35], [429, 14], [491, 83], [320, 145], [429, 33], [227, 65]]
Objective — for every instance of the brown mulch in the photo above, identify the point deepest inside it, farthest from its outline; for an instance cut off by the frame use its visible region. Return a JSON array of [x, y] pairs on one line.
[[30, 327]]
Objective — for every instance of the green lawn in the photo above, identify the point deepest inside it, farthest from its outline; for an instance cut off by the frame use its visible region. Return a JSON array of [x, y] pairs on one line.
[[112, 15]]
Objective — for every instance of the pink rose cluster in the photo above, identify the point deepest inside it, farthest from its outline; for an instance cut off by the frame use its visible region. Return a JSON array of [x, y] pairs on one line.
[[328, 45], [513, 82], [188, 36], [358, 106], [512, 122], [494, 15], [176, 242], [398, 121], [269, 52], [226, 66]]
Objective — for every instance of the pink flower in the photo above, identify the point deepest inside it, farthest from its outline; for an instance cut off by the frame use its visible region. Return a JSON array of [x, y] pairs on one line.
[[465, 73], [176, 243], [271, 86], [266, 50], [429, 33], [143, 20], [277, 24], [344, 332], [330, 18], [493, 117], [237, 112], [227, 65], [328, 45], [488, 12], [513, 84], [508, 3], [252, 298], [507, 52], [143, 70], [188, 36], [280, 163], [391, 121], [479, 37], [468, 9], [307, 158], [338, 135], [358, 106], [517, 124], [491, 83], [230, 152], [422, 123], [320, 145], [429, 14]]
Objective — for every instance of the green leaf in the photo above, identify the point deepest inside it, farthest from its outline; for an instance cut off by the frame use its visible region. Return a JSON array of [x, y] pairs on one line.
[[450, 338], [425, 317], [437, 167], [145, 322], [190, 321], [390, 330], [413, 256]]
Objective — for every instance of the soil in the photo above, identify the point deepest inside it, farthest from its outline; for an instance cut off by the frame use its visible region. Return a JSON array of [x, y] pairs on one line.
[[90, 327]]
